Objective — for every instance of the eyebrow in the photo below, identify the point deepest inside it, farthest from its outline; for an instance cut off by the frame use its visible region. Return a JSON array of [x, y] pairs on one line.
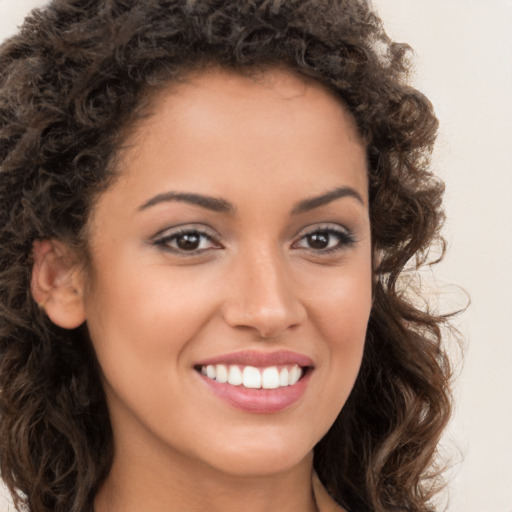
[[315, 202], [217, 204], [211, 203]]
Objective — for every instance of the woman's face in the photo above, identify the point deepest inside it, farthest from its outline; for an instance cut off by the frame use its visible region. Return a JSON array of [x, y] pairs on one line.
[[234, 245]]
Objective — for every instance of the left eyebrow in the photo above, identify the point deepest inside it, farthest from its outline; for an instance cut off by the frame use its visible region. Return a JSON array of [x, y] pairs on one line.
[[211, 203], [315, 202]]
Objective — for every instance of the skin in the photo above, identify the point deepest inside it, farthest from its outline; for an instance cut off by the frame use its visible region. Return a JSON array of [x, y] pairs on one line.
[[264, 144]]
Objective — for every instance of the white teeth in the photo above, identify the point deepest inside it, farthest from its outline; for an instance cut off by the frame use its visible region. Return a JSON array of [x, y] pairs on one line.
[[210, 371], [270, 378], [294, 375], [221, 373], [252, 377], [235, 376], [283, 377]]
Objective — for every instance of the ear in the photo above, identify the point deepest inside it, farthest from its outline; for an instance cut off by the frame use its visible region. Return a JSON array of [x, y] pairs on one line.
[[58, 283]]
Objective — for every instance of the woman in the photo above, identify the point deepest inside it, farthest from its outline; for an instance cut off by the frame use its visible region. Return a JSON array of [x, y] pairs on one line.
[[207, 208]]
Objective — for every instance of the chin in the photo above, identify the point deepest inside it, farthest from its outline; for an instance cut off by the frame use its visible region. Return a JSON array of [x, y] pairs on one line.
[[260, 458]]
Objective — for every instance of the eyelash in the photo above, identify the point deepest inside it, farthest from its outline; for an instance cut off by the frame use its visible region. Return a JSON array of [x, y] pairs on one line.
[[165, 241], [345, 240]]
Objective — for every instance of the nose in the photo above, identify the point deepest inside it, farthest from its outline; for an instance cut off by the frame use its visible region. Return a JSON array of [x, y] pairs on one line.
[[263, 297]]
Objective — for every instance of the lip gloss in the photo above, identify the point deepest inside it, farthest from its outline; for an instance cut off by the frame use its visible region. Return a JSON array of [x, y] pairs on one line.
[[258, 400]]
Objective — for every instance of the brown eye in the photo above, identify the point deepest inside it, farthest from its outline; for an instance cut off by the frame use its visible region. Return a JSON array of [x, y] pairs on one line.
[[187, 241], [325, 240], [318, 240]]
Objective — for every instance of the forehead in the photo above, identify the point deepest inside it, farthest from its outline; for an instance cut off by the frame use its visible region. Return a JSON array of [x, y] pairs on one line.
[[222, 110], [273, 137], [249, 98]]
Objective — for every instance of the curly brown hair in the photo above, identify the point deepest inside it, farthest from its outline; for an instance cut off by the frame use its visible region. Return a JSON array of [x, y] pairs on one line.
[[72, 81]]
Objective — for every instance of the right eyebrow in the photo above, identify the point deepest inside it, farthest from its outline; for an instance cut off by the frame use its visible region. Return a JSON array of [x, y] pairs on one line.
[[323, 199], [215, 204]]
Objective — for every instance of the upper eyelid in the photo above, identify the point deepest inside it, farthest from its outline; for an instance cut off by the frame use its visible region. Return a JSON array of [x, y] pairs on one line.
[[184, 228], [167, 236], [346, 236], [215, 237], [322, 226]]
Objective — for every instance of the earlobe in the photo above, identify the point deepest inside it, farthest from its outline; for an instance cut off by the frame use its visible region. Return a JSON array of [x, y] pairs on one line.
[[57, 283]]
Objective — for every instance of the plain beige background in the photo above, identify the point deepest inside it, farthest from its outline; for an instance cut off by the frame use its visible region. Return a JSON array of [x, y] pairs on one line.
[[463, 55]]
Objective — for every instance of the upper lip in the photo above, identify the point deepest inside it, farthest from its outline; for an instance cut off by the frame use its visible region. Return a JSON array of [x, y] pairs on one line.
[[259, 359]]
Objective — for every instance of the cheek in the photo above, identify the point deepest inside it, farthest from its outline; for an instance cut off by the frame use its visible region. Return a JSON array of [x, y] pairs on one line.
[[141, 322], [341, 302], [147, 299], [343, 324], [341, 315]]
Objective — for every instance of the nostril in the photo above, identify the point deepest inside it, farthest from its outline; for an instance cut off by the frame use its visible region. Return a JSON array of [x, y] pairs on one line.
[[268, 323]]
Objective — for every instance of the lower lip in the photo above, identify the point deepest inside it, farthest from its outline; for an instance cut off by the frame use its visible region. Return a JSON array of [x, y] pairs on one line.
[[262, 401]]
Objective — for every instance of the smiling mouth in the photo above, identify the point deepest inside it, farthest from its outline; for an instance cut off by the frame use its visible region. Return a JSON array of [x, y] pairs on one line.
[[252, 377]]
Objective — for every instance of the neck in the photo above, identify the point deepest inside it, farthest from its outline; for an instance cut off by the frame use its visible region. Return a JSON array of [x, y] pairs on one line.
[[178, 483]]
